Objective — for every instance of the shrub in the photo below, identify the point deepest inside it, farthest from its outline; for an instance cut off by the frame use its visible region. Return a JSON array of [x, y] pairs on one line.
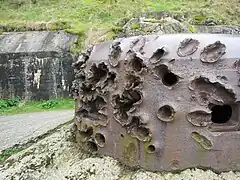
[[7, 103], [49, 104]]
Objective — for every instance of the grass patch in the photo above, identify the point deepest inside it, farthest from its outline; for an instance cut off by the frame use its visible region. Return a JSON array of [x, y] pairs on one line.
[[75, 15], [8, 152], [8, 103], [78, 17], [99, 13], [15, 106]]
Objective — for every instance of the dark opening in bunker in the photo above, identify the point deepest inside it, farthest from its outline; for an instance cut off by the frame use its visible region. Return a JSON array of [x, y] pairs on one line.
[[221, 114]]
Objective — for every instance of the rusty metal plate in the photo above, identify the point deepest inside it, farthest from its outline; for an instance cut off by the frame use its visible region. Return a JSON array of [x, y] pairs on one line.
[[162, 103]]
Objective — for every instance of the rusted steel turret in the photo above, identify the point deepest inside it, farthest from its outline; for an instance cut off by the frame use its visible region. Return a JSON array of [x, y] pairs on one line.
[[165, 102]]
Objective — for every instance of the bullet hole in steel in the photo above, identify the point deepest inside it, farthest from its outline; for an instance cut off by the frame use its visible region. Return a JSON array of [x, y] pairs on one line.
[[236, 65], [202, 98], [85, 134], [82, 112], [111, 77], [141, 133], [86, 88], [98, 72], [199, 118], [132, 81], [151, 149], [221, 114], [214, 91], [91, 146], [157, 55], [97, 104], [136, 63], [124, 104], [168, 78], [213, 52], [100, 139], [135, 121], [166, 113], [138, 44], [109, 81], [202, 140], [88, 133], [187, 47], [92, 109], [136, 129], [115, 53]]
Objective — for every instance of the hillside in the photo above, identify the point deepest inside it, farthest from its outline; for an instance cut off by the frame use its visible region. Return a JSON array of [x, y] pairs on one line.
[[77, 16]]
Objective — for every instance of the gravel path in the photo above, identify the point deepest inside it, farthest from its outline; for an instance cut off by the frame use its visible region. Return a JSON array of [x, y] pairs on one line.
[[17, 129]]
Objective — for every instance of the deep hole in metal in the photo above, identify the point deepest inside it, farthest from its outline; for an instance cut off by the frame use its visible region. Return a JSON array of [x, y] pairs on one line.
[[98, 72], [151, 148], [221, 114], [166, 113], [88, 133], [157, 55], [91, 146], [169, 79], [100, 139], [137, 64]]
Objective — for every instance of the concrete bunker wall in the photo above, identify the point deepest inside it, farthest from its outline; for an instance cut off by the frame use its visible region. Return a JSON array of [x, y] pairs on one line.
[[35, 65]]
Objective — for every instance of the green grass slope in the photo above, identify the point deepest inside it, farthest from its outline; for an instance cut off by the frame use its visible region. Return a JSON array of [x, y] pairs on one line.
[[16, 106], [78, 15]]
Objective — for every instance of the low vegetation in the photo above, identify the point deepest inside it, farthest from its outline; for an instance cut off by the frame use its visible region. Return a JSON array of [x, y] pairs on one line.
[[77, 16], [8, 152], [81, 16], [14, 106]]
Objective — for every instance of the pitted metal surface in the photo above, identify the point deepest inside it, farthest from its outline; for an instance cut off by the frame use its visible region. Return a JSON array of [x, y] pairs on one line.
[[163, 103]]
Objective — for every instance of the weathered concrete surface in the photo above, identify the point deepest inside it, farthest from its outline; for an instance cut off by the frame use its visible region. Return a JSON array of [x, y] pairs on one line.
[[35, 65], [18, 129]]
